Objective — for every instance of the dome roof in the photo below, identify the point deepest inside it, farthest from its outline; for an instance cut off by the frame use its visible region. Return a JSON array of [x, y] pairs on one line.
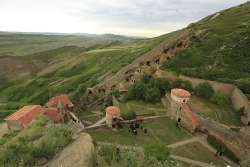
[[180, 92], [112, 110]]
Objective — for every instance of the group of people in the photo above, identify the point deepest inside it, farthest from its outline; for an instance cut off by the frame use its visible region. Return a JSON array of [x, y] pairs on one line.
[[133, 127]]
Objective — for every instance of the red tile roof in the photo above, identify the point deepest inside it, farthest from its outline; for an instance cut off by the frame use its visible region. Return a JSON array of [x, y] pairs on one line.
[[54, 101], [190, 114], [112, 110], [180, 92], [53, 114], [139, 118], [118, 117], [26, 114]]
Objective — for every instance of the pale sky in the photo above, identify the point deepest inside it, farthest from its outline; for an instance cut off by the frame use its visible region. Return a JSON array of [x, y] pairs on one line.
[[147, 18]]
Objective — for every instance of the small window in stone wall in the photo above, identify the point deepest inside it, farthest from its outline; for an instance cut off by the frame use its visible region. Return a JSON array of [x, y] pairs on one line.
[[179, 119], [180, 108], [248, 123]]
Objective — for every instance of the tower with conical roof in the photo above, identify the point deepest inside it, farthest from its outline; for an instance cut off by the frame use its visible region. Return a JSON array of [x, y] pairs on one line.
[[180, 111]]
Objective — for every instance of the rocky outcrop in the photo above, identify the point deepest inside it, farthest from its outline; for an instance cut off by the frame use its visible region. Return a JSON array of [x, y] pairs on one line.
[[78, 153]]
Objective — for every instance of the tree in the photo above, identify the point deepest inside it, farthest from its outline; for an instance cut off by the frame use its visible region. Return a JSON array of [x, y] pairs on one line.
[[152, 95], [158, 150], [204, 90], [136, 91], [128, 115], [178, 83], [219, 98], [244, 85], [162, 84], [145, 78], [188, 85]]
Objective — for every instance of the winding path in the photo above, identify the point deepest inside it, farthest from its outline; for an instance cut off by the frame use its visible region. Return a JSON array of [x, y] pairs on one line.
[[198, 138]]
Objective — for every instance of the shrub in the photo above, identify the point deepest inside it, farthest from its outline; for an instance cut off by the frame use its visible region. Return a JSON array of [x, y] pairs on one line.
[[219, 98], [204, 90], [128, 115], [158, 150]]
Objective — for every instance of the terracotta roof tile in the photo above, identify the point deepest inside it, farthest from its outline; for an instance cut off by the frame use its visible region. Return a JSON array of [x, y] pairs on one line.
[[118, 117], [53, 114], [54, 101], [180, 92], [139, 118], [112, 110], [190, 114], [26, 114]]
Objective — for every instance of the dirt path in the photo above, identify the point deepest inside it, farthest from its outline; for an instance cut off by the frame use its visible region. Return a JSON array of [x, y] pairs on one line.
[[190, 161], [99, 122], [194, 139], [199, 137], [146, 108], [204, 142]]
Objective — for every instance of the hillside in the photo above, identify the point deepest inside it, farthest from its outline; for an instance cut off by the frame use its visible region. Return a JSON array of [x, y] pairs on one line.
[[19, 44], [221, 51], [69, 69], [212, 49]]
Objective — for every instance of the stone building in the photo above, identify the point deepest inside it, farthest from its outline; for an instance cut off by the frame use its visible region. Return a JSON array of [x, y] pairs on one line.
[[180, 111], [113, 116], [22, 118], [59, 109], [53, 102]]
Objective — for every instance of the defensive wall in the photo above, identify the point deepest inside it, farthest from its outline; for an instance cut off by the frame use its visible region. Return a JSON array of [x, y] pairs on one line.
[[237, 98], [237, 143]]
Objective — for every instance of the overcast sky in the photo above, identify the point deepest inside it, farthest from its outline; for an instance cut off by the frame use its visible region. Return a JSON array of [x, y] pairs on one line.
[[147, 18]]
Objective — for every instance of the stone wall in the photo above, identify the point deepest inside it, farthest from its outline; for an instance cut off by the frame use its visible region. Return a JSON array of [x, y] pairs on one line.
[[237, 143], [226, 89], [15, 125], [231, 91], [178, 112], [239, 100]]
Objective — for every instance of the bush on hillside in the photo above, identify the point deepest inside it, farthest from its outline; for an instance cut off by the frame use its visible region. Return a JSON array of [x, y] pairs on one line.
[[152, 95], [128, 115], [145, 78], [219, 98], [204, 90], [179, 83]]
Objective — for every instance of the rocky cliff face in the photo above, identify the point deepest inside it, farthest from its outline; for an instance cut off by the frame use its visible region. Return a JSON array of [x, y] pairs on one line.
[[147, 63], [78, 153]]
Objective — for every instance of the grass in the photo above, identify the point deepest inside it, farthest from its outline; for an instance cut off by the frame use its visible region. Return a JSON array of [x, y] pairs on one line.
[[159, 130], [7, 137], [143, 108], [84, 69], [198, 152], [91, 118], [40, 139], [224, 114], [232, 61]]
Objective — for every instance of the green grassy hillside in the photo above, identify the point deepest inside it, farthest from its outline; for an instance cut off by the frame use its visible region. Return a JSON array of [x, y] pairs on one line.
[[12, 43], [222, 53], [82, 69]]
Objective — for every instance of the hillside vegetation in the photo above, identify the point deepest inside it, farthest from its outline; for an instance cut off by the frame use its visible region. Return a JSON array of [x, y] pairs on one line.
[[14, 43], [222, 53], [69, 69]]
